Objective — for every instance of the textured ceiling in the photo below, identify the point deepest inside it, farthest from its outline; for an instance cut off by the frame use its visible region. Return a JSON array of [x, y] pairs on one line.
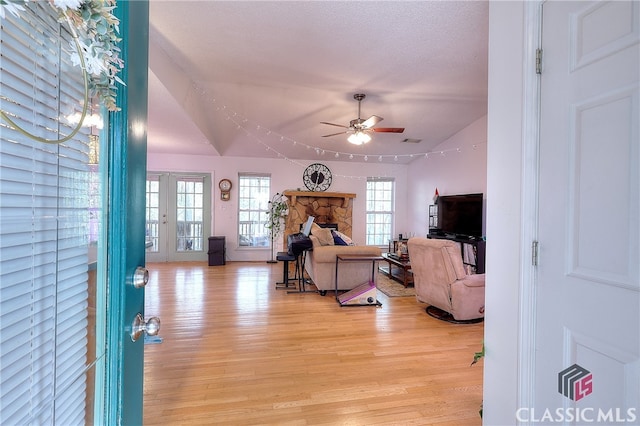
[[257, 78]]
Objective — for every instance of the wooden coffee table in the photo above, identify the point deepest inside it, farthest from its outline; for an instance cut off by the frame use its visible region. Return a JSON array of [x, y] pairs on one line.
[[399, 270]]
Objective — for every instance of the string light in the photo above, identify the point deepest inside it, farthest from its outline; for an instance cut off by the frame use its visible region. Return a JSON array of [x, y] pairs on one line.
[[231, 116]]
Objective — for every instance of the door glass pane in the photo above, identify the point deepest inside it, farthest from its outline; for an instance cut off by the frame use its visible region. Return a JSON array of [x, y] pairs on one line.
[[51, 293], [189, 214], [152, 213]]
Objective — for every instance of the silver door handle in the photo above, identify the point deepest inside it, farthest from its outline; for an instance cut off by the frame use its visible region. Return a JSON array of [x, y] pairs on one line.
[[139, 326]]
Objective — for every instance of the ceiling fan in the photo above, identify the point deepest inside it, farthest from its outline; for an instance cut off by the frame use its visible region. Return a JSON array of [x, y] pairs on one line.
[[360, 128]]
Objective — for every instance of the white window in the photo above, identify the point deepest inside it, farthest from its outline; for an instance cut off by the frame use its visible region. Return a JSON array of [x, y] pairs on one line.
[[253, 204], [380, 207]]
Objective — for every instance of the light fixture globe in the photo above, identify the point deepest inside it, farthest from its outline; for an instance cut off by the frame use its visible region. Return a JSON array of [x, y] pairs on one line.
[[359, 138]]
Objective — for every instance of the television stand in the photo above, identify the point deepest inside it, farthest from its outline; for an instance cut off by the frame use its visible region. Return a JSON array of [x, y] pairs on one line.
[[472, 250]]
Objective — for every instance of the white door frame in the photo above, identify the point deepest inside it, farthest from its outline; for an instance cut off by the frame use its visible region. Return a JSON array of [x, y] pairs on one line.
[[529, 196]]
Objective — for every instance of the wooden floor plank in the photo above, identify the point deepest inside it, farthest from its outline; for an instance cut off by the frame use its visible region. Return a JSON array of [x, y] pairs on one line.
[[238, 351]]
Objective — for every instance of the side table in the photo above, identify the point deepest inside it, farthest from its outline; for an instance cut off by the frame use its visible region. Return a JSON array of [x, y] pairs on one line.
[[356, 258]]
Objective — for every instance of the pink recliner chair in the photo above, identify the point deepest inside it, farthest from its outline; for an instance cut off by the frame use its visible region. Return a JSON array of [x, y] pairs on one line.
[[440, 281]]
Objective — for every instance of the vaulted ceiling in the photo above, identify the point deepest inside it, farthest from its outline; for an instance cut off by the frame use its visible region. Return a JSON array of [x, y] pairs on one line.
[[244, 78]]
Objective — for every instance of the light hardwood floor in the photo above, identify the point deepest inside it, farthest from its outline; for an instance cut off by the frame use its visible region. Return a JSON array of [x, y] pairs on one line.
[[237, 351]]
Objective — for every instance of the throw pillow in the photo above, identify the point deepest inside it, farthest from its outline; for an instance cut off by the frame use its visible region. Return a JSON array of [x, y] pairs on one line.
[[314, 227], [337, 240], [323, 235], [345, 238]]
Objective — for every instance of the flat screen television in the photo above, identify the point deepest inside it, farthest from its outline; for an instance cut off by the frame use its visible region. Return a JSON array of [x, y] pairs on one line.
[[460, 215]]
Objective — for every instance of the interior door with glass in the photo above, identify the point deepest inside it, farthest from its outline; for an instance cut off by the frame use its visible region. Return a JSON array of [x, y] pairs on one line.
[[178, 216], [68, 247]]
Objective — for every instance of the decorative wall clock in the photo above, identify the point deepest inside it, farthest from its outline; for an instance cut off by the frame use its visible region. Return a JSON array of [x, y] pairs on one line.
[[225, 188], [317, 177]]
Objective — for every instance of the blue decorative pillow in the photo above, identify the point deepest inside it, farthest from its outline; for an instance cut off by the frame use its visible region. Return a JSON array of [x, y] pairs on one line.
[[337, 240]]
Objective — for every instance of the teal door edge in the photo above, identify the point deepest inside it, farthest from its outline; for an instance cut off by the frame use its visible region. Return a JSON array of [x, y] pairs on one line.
[[127, 146]]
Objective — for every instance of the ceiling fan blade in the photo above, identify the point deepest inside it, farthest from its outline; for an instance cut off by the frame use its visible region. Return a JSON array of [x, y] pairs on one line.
[[334, 134], [388, 129], [332, 124], [371, 121]]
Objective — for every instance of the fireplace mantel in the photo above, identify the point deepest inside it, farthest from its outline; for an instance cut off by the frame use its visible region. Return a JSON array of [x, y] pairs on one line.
[[293, 195]]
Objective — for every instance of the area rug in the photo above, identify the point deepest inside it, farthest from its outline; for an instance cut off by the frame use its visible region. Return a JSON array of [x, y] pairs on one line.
[[393, 288]]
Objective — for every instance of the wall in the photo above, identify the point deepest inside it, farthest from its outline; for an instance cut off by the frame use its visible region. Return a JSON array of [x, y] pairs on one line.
[[455, 172], [504, 215], [347, 177]]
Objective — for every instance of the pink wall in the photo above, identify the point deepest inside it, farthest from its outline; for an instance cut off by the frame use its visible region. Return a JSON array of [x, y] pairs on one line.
[[460, 169]]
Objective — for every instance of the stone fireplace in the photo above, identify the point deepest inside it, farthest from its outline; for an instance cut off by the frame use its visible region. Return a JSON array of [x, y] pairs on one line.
[[327, 207]]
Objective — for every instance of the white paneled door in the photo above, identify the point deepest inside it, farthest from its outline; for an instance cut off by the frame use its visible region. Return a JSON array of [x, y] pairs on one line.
[[587, 359]]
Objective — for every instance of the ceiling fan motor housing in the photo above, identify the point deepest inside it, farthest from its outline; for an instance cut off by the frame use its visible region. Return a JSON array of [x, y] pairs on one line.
[[356, 122]]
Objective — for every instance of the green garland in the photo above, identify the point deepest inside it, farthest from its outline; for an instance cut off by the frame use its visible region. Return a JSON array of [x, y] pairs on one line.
[[95, 30]]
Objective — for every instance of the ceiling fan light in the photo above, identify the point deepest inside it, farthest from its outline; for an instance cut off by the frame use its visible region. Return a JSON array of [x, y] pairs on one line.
[[359, 138], [354, 139]]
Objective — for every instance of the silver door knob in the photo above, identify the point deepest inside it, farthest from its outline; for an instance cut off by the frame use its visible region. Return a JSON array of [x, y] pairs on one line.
[[140, 277], [139, 326]]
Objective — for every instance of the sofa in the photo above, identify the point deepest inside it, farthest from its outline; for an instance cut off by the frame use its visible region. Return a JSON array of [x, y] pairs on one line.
[[320, 262], [441, 281]]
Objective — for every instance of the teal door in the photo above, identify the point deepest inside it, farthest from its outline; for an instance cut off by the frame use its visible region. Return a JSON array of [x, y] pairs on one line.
[[127, 142]]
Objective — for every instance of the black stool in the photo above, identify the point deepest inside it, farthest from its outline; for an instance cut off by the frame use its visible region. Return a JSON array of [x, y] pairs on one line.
[[286, 258], [300, 261]]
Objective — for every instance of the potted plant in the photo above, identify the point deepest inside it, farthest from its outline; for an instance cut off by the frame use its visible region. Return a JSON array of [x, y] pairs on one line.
[[476, 357], [278, 210]]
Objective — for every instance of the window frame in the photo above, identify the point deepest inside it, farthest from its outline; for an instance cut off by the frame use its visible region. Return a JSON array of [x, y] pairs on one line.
[[373, 238], [257, 214]]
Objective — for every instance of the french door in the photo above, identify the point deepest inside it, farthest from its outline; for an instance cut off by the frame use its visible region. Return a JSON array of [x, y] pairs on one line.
[[178, 216]]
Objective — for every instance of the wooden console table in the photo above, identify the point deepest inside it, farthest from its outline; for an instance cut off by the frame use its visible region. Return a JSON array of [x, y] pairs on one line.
[[401, 272]]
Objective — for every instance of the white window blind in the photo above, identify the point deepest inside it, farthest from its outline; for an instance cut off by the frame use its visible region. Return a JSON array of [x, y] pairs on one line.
[[43, 226]]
